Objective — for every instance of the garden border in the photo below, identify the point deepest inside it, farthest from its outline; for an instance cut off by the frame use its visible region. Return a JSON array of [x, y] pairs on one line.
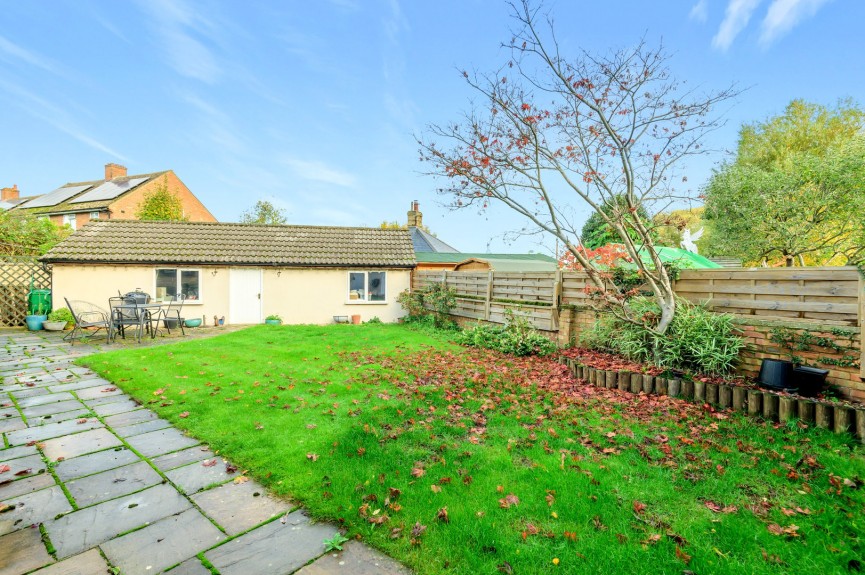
[[765, 404]]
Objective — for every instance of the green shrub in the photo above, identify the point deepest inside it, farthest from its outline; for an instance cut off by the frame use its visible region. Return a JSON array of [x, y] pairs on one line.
[[435, 301], [517, 337], [61, 314], [697, 340]]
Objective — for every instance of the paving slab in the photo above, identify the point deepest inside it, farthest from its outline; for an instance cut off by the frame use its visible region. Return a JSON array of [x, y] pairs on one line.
[[49, 430], [159, 442], [237, 507], [182, 457], [16, 452], [116, 407], [105, 399], [24, 486], [190, 567], [10, 424], [32, 508], [81, 384], [139, 428], [31, 464], [355, 559], [273, 548], [22, 551], [83, 413], [70, 446], [163, 544], [113, 483], [43, 399], [98, 392], [90, 563], [25, 392], [51, 408], [196, 476], [130, 418], [94, 463], [85, 528]]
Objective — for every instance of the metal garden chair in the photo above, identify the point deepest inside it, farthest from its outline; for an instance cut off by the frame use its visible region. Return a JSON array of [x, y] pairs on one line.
[[87, 316]]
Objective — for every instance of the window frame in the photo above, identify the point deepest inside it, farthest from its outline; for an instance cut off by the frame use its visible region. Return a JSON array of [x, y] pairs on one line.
[[71, 220], [365, 301], [178, 271], [96, 214]]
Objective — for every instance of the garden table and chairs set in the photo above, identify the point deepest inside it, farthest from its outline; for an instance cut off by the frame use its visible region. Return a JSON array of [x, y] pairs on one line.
[[134, 311]]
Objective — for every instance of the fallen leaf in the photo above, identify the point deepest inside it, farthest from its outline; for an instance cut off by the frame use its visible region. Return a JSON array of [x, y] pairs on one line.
[[208, 463], [184, 415], [442, 515], [417, 472], [435, 488], [682, 555], [509, 500], [312, 456], [241, 479], [639, 507], [27, 471], [4, 468], [229, 468]]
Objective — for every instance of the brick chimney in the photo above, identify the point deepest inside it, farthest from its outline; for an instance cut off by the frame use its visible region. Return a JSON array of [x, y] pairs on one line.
[[114, 171], [7, 194], [415, 218]]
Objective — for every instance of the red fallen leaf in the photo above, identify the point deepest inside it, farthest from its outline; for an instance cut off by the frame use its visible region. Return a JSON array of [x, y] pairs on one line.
[[772, 558], [361, 451], [208, 463], [395, 533], [509, 500], [30, 384], [379, 519], [720, 469], [109, 389], [639, 507], [393, 493], [184, 415], [788, 512], [682, 555], [416, 532], [312, 456], [500, 489], [805, 511], [61, 458], [550, 499], [435, 488], [82, 420], [442, 515], [417, 472], [4, 468], [573, 536], [241, 479], [27, 471], [159, 391], [229, 468], [31, 443], [790, 530], [652, 539]]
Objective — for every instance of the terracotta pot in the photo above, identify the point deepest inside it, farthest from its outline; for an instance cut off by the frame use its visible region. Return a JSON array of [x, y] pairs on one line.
[[355, 319]]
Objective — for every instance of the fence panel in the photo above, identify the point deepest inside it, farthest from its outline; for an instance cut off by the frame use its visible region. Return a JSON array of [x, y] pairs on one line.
[[15, 275]]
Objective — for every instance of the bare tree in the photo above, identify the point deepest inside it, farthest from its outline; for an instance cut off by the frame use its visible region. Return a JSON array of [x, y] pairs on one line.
[[550, 133]]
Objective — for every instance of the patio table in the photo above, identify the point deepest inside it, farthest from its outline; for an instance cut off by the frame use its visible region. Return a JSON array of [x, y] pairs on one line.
[[145, 312]]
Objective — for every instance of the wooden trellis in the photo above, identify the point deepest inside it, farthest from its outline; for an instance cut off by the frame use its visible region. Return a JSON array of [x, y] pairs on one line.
[[15, 275]]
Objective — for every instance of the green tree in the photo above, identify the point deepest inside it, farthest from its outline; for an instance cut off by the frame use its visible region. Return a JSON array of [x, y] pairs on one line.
[[598, 232], [264, 212], [161, 204], [394, 225], [794, 191], [26, 235], [670, 226]]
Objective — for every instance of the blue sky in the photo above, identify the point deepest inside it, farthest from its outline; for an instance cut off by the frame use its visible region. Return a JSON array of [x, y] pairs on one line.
[[314, 105]]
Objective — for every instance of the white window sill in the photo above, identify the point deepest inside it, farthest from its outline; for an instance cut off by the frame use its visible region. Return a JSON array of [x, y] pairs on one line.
[[362, 302]]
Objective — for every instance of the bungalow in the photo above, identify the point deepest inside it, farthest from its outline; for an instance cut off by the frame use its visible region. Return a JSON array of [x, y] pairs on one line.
[[244, 272]]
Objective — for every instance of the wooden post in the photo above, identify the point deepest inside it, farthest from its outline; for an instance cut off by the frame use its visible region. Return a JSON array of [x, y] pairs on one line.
[[786, 409], [610, 378], [674, 387], [806, 411], [700, 391], [624, 383], [648, 383], [725, 396], [688, 389], [636, 382], [740, 398], [861, 326], [489, 297], [712, 393], [860, 424], [557, 300], [755, 402], [770, 407], [823, 415], [661, 385], [843, 419]]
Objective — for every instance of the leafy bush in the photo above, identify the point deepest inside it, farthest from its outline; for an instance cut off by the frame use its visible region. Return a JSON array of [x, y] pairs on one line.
[[517, 337], [697, 339], [61, 314], [436, 302]]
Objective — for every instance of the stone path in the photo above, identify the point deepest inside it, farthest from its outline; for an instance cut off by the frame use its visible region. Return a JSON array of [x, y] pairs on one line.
[[90, 481]]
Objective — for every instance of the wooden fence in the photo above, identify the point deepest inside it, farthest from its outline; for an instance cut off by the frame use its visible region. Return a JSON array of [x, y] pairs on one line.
[[15, 276]]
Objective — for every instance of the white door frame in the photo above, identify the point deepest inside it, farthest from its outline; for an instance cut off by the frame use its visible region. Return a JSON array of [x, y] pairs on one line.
[[233, 295]]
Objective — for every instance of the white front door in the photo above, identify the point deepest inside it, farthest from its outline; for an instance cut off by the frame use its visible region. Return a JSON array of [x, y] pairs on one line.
[[244, 295]]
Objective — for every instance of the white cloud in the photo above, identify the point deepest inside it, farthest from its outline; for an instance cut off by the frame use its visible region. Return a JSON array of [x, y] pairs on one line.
[[9, 48], [700, 11], [736, 17], [320, 172], [784, 15]]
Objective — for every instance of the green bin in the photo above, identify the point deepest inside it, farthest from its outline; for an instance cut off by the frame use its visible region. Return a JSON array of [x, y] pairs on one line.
[[39, 302]]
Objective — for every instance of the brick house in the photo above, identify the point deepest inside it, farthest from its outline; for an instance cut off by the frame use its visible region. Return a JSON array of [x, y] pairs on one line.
[[117, 197]]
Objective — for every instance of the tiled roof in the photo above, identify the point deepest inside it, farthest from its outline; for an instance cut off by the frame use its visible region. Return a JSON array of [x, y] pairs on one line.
[[426, 242], [67, 206], [449, 258], [190, 243], [514, 264]]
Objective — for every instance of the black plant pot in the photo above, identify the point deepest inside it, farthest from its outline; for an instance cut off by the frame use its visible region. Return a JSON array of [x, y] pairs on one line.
[[809, 380], [776, 374]]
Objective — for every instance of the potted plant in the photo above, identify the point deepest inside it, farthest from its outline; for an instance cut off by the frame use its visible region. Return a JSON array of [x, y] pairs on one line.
[[58, 320], [192, 322], [37, 316], [273, 319]]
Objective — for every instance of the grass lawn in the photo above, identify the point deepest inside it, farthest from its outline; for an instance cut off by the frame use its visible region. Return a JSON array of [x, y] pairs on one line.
[[458, 460]]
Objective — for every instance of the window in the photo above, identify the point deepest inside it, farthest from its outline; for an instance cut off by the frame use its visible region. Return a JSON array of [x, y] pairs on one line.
[[70, 220], [172, 282], [367, 286], [94, 215]]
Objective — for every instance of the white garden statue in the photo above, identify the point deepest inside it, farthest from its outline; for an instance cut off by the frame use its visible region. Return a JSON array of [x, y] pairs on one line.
[[689, 241]]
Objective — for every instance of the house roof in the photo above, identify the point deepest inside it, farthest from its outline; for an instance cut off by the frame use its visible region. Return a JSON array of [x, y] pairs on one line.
[[193, 243], [455, 258], [503, 264], [426, 242], [69, 205]]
